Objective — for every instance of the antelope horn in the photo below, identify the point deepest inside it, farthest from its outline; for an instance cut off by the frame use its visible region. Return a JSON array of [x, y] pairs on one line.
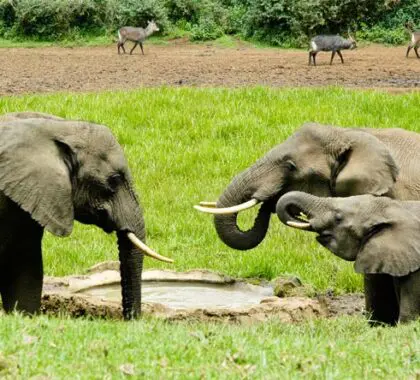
[[228, 210], [146, 250]]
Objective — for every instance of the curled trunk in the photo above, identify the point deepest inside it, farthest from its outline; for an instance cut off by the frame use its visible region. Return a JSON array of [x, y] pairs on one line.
[[239, 191], [292, 204]]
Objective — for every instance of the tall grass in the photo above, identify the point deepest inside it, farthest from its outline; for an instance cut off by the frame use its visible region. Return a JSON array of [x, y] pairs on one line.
[[185, 145]]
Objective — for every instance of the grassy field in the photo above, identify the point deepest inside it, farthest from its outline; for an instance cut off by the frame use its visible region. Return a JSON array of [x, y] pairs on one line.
[[183, 146], [339, 349]]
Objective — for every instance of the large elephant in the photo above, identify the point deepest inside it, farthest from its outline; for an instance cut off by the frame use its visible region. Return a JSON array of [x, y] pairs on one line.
[[380, 234], [53, 171], [324, 161]]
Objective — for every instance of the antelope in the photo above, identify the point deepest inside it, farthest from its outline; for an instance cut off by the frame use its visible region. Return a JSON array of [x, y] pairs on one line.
[[136, 35], [415, 39], [330, 43]]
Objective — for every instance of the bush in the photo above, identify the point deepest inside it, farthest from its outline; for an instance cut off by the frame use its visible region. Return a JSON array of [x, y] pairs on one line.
[[186, 10], [136, 13], [49, 19], [278, 22]]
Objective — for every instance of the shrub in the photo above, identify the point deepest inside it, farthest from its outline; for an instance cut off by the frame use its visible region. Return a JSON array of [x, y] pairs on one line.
[[278, 22], [136, 13]]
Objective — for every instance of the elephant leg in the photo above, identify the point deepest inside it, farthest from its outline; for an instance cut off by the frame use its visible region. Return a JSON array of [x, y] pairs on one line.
[[381, 299], [22, 275], [409, 289]]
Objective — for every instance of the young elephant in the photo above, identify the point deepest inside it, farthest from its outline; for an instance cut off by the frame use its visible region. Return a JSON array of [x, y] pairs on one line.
[[380, 234], [52, 172]]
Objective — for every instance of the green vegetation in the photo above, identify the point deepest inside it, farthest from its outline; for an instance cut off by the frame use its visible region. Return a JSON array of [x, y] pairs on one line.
[[150, 349], [286, 23], [183, 146]]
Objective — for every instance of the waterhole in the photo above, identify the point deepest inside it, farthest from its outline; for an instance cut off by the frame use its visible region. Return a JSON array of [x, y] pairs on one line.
[[185, 295], [196, 295]]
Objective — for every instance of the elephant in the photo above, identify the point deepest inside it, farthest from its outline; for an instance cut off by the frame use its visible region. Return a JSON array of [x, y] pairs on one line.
[[54, 171], [326, 161], [28, 115], [381, 235]]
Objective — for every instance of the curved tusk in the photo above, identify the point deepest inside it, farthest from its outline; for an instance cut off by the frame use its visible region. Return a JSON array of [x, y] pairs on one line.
[[228, 210], [300, 225], [146, 250], [208, 204]]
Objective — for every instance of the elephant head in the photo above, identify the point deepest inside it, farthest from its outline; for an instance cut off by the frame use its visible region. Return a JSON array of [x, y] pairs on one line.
[[318, 159], [59, 171], [380, 234]]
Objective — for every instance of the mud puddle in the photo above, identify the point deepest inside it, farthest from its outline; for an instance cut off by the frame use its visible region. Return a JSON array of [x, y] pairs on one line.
[[184, 295], [197, 295]]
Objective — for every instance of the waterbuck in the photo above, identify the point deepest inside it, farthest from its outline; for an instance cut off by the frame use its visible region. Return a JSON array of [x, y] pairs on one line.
[[415, 39], [330, 43], [136, 35]]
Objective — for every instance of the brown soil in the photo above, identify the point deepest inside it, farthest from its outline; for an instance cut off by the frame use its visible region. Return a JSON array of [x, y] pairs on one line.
[[73, 296], [24, 70], [289, 309]]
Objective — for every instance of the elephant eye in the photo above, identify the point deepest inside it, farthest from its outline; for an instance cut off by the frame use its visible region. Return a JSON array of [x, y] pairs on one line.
[[290, 165], [338, 217], [114, 181]]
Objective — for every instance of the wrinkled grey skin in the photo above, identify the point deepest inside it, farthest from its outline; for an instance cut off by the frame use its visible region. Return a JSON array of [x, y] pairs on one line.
[[53, 172], [324, 161], [380, 234]]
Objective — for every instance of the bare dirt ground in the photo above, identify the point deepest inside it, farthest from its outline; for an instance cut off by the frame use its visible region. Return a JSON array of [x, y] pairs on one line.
[[26, 70]]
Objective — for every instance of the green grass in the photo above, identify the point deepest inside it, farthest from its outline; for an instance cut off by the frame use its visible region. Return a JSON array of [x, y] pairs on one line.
[[183, 146], [225, 41], [77, 41], [151, 349]]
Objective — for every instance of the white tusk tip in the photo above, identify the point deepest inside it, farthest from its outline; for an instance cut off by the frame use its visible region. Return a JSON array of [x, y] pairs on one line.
[[300, 225], [208, 204], [228, 210], [147, 250]]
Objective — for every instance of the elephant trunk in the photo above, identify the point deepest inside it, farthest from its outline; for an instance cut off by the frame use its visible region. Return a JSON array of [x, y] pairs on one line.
[[241, 189], [291, 206], [131, 259], [131, 267]]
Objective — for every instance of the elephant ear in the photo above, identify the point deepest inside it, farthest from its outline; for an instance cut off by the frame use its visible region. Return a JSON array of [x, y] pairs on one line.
[[393, 248], [364, 166], [34, 175]]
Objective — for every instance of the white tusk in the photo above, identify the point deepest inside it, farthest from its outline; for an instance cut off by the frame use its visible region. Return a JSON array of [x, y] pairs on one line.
[[228, 210], [208, 204], [300, 225], [146, 250]]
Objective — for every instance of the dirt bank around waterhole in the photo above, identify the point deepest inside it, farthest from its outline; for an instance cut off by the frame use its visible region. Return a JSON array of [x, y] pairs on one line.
[[52, 69], [196, 295]]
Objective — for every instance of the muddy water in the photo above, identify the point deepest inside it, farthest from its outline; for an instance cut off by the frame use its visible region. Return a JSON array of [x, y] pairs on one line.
[[185, 295]]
